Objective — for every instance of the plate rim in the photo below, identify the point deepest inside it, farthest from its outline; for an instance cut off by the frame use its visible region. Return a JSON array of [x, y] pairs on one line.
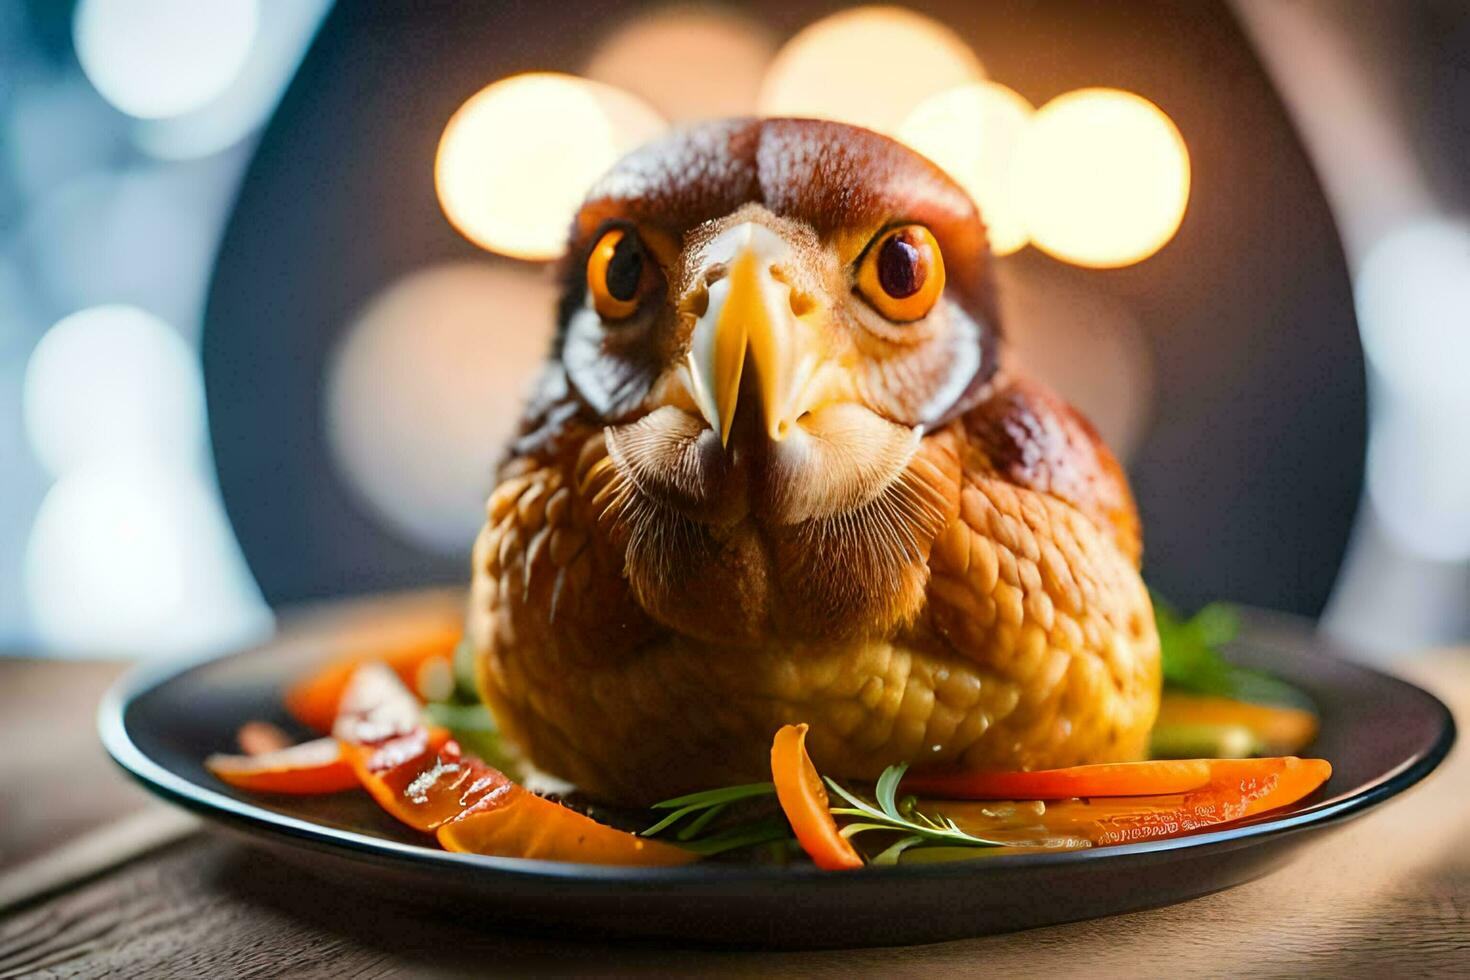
[[216, 806]]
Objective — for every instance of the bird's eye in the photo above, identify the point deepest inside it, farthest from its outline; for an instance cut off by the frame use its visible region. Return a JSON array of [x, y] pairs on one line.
[[616, 274], [902, 273]]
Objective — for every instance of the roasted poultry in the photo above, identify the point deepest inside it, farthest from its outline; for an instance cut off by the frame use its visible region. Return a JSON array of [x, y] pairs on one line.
[[776, 471]]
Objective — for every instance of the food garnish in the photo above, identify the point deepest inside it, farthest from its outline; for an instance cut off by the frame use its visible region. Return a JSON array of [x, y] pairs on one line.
[[260, 737], [904, 817], [518, 823], [1239, 788], [1268, 729], [1189, 651], [1105, 779], [308, 769], [441, 768], [314, 700], [804, 801], [420, 775]]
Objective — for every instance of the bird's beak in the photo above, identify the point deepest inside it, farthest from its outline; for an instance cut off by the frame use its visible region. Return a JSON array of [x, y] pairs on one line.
[[750, 316]]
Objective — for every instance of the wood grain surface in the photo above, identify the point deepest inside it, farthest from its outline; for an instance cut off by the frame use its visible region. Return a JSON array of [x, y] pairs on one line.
[[1387, 896], [56, 782]]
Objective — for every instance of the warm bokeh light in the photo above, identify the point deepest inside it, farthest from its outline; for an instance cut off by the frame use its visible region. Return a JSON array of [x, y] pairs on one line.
[[666, 57], [1102, 177], [426, 387], [159, 58], [972, 132], [516, 160], [870, 66]]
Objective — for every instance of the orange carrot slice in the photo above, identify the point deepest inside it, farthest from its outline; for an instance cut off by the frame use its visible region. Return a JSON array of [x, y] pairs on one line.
[[423, 781], [375, 706], [422, 778], [1106, 779], [803, 799], [521, 824], [1279, 729], [1238, 789], [260, 737], [1243, 788], [314, 701], [307, 769]]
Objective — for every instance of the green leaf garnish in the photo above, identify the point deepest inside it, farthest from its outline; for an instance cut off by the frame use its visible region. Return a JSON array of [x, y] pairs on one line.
[[724, 794], [460, 717], [1191, 660], [697, 825], [707, 803], [890, 854], [886, 815], [745, 835]]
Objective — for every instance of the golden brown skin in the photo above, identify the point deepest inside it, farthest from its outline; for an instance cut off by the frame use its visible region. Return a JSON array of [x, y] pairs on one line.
[[982, 607]]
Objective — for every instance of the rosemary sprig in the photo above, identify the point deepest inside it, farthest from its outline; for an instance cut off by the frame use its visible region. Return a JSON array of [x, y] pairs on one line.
[[889, 815], [708, 803]]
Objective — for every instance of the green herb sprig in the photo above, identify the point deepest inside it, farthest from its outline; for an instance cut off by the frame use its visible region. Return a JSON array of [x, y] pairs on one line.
[[708, 804], [889, 814]]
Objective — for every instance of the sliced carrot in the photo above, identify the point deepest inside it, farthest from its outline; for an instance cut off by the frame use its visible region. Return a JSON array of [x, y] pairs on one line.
[[314, 701], [521, 824], [422, 778], [414, 771], [260, 737], [375, 706], [1106, 779], [1238, 789], [1279, 729], [302, 770], [803, 799], [1243, 788]]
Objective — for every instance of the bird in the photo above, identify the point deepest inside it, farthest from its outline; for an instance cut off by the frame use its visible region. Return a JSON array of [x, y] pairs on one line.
[[774, 470]]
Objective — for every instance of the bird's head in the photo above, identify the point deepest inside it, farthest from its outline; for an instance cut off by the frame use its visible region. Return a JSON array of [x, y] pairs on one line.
[[767, 318]]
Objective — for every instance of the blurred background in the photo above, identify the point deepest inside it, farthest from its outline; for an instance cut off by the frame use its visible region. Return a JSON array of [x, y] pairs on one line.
[[274, 275]]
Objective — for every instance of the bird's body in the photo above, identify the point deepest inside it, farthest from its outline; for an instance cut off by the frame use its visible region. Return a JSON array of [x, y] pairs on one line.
[[772, 474]]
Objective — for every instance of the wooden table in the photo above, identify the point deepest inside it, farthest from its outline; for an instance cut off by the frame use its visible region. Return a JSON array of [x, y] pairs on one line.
[[1389, 895]]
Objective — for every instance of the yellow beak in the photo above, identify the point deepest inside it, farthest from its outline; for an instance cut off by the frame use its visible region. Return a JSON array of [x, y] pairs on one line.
[[750, 317]]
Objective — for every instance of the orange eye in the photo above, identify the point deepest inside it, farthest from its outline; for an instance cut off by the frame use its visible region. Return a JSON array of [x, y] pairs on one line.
[[616, 272], [902, 273]]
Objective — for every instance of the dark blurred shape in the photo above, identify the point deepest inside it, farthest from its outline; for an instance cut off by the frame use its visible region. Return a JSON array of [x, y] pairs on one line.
[[1248, 475]]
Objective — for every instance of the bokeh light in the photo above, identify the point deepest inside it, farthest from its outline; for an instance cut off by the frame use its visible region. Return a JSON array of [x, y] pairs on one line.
[[158, 58], [1412, 293], [142, 236], [870, 66], [666, 56], [137, 559], [516, 160], [284, 32], [972, 132], [112, 382], [1102, 177], [1419, 475], [57, 133], [427, 386]]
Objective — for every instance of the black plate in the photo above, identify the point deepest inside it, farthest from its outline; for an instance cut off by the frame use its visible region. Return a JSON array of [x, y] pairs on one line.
[[1381, 735]]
